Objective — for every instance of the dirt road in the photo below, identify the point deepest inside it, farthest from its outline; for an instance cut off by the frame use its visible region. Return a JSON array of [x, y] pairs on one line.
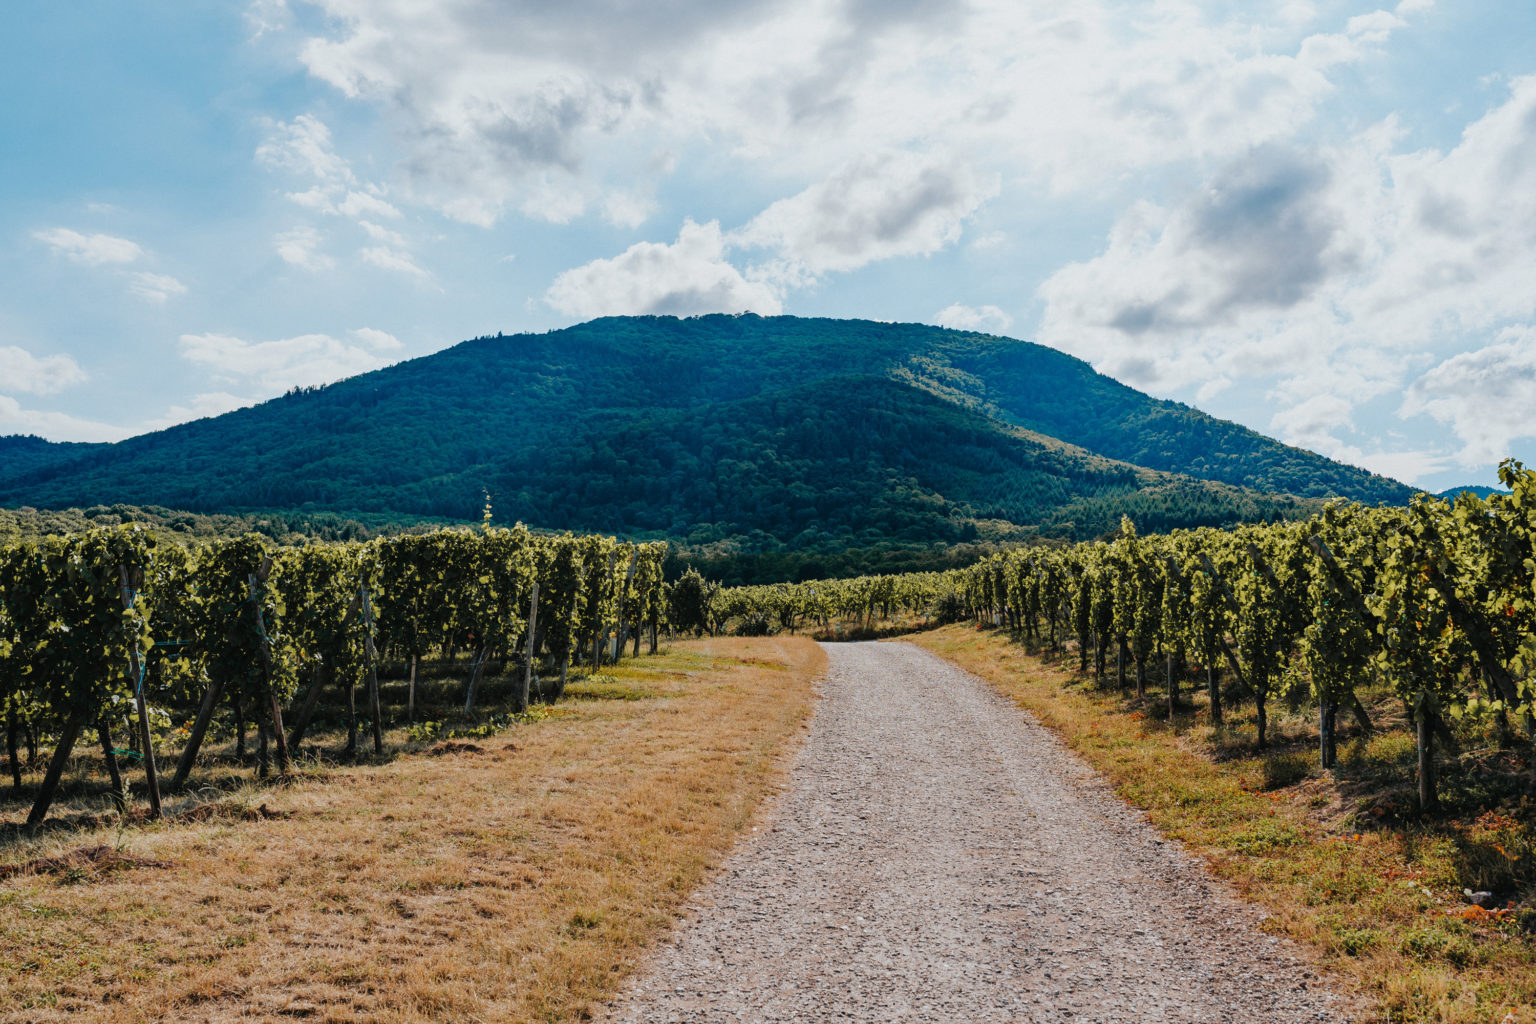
[[940, 857]]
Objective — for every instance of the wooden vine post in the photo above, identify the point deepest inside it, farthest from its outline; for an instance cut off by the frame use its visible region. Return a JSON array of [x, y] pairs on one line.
[[622, 627], [255, 579], [410, 695], [474, 681], [12, 732], [151, 776], [597, 624], [370, 656], [1175, 579], [526, 694], [109, 755], [1424, 737]]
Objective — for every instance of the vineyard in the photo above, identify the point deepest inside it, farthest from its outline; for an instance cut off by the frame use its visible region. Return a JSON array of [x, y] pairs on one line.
[[138, 641], [1194, 669], [110, 629], [1434, 600]]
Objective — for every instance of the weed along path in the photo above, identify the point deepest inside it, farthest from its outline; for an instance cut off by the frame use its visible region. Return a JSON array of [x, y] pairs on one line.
[[938, 856]]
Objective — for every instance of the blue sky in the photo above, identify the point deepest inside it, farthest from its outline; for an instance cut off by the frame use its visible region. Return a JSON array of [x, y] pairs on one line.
[[1315, 218]]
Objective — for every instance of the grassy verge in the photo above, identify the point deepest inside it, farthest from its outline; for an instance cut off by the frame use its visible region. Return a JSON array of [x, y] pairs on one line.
[[512, 877], [1332, 856]]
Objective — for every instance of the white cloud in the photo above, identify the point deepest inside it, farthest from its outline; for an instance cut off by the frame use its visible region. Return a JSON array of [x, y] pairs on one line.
[[22, 372], [378, 340], [314, 198], [1486, 396], [301, 248], [1174, 285], [1375, 27], [382, 234], [91, 250], [986, 319], [1314, 422], [1211, 388], [263, 16], [686, 277], [211, 403], [55, 426], [875, 208], [154, 287], [1409, 467], [272, 367], [112, 252], [386, 258], [628, 209], [890, 124], [303, 147], [1336, 271], [363, 204], [542, 108], [331, 198]]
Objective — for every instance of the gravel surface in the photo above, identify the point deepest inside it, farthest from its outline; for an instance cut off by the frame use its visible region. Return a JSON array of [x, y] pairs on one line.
[[939, 856]]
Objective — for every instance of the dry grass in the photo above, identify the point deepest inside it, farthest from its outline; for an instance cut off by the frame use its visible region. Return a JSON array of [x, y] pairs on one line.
[[1379, 898], [516, 881], [844, 630]]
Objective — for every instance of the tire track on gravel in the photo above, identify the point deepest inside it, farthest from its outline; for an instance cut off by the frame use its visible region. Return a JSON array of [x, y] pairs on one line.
[[939, 856]]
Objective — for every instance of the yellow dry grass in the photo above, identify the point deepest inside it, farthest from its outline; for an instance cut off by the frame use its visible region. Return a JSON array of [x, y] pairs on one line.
[[1381, 907], [519, 882]]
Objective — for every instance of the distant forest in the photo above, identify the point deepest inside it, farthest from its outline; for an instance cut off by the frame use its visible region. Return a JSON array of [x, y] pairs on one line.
[[762, 445]]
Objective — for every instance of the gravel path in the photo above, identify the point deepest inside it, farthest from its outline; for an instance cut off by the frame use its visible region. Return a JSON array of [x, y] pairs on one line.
[[938, 856]]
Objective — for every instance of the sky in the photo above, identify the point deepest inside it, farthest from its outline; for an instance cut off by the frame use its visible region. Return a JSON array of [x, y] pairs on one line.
[[1315, 218]]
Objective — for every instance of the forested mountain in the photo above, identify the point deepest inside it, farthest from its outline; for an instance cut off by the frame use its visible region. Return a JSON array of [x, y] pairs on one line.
[[282, 527], [1476, 490], [742, 432], [22, 453]]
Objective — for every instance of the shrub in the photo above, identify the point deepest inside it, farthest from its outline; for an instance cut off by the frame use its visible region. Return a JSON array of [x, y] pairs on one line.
[[1355, 941], [1437, 944], [1281, 770], [690, 597]]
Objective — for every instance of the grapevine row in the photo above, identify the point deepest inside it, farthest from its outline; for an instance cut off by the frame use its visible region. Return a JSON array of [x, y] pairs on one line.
[[107, 620], [1437, 598]]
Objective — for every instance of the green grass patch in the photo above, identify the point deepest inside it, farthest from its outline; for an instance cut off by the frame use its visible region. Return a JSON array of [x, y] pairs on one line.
[[605, 687], [1264, 836]]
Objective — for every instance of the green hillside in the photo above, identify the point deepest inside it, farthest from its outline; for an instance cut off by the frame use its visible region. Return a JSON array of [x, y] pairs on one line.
[[859, 460], [748, 432], [23, 453]]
